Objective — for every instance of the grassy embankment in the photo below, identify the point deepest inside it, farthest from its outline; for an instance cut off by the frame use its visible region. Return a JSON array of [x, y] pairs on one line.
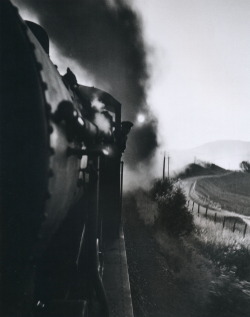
[[230, 191], [229, 252], [229, 279]]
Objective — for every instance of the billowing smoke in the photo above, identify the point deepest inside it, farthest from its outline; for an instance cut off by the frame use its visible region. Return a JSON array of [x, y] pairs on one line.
[[147, 140], [104, 37]]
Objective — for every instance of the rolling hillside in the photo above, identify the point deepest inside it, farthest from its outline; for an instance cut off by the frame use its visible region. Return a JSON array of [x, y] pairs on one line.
[[227, 154], [231, 191], [200, 169]]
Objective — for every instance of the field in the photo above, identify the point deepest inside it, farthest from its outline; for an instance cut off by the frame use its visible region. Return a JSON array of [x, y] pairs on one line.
[[230, 191]]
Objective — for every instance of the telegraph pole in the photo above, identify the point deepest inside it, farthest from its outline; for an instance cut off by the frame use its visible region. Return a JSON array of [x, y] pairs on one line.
[[168, 165], [163, 172]]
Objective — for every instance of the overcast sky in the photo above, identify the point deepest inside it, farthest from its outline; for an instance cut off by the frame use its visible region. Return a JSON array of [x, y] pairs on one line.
[[200, 58]]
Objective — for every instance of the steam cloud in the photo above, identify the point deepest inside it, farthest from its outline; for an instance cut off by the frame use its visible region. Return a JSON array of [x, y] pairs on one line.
[[102, 123], [97, 104], [104, 38], [99, 118]]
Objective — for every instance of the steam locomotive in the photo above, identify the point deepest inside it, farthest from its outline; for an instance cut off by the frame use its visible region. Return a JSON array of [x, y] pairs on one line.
[[60, 179]]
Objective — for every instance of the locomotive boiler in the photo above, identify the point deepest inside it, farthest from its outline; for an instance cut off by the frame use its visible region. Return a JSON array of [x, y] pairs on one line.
[[60, 179]]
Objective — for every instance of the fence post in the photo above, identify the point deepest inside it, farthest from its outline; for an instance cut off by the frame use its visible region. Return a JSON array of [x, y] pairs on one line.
[[198, 209], [245, 230], [234, 225], [215, 217], [224, 220], [206, 212], [193, 206]]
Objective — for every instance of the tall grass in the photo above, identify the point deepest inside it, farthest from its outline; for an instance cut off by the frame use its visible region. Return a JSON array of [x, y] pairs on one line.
[[229, 251]]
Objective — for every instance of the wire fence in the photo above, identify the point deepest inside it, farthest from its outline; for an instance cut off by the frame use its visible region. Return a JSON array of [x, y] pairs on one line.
[[234, 223]]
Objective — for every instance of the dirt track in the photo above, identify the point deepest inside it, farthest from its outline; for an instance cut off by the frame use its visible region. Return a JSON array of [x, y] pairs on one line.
[[188, 186]]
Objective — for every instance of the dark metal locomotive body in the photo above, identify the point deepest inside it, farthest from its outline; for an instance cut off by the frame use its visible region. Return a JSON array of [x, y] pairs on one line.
[[60, 180]]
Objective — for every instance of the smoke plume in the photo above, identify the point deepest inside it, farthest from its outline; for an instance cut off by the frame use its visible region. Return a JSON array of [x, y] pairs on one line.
[[104, 37]]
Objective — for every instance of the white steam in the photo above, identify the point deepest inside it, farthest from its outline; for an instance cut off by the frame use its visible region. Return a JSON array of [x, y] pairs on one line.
[[102, 122], [97, 104]]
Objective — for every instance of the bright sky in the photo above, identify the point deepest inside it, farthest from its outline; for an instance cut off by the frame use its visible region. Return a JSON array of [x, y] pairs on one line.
[[200, 61]]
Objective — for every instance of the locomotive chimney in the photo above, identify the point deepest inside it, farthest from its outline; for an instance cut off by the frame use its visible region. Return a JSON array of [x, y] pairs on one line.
[[125, 129]]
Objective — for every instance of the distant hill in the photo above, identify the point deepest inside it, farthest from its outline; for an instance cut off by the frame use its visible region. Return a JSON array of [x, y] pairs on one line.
[[227, 154], [195, 169]]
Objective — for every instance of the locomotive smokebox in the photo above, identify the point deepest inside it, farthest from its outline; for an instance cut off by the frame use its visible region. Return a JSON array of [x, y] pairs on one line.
[[40, 34]]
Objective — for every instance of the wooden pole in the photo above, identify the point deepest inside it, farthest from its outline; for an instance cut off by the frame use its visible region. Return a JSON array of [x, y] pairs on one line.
[[245, 230], [206, 212], [168, 166], [224, 221], [234, 225], [163, 172]]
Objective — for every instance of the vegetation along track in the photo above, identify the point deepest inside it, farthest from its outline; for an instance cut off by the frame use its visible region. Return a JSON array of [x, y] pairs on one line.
[[173, 277]]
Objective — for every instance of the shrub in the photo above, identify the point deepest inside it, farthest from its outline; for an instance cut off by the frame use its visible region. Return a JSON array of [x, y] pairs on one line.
[[174, 216], [245, 166], [161, 188]]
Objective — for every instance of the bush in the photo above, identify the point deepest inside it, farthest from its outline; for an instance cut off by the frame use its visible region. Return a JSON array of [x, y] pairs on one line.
[[245, 166], [161, 188], [174, 216]]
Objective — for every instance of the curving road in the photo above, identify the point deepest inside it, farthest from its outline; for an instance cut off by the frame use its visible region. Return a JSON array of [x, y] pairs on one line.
[[188, 186]]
